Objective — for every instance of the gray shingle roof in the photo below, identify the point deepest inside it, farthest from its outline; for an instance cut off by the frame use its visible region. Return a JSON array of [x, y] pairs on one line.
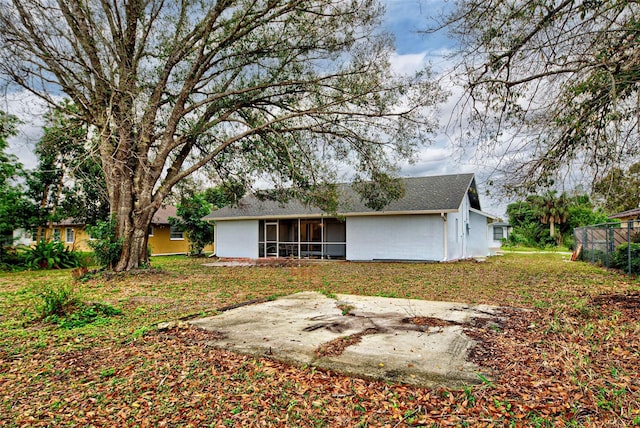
[[627, 214], [161, 217], [422, 194]]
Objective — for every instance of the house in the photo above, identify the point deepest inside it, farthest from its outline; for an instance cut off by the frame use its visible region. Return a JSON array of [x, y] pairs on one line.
[[438, 219], [629, 216], [497, 232], [164, 239]]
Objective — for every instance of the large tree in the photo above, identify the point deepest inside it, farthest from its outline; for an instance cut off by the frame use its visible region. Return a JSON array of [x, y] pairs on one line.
[[550, 84], [619, 190], [12, 198], [288, 89]]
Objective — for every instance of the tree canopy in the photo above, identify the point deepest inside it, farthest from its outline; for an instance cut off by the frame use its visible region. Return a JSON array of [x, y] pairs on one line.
[[11, 193], [190, 211], [549, 219], [619, 190], [550, 84], [289, 91]]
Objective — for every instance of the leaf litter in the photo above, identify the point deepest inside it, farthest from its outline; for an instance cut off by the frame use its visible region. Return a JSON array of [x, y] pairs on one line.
[[563, 362]]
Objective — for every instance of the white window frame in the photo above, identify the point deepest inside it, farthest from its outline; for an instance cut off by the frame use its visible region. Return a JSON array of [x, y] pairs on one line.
[[69, 231], [56, 234], [172, 230], [495, 230], [151, 231]]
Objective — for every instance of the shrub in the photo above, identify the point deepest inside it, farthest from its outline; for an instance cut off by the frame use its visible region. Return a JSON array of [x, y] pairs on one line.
[[84, 314], [51, 255], [517, 239], [56, 301], [621, 258], [60, 305], [106, 248], [10, 259]]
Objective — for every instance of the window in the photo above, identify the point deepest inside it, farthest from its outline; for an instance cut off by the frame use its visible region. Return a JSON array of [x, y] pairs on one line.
[[56, 234], [150, 230], [69, 235], [175, 233], [498, 234]]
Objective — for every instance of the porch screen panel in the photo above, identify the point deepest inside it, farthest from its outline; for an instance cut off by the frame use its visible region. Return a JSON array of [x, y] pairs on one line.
[[335, 238], [311, 238], [288, 238]]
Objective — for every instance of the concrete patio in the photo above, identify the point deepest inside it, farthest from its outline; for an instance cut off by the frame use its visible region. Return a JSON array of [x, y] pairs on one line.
[[399, 340]]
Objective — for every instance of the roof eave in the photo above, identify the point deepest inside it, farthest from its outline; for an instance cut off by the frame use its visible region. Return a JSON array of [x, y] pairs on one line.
[[483, 213], [325, 215]]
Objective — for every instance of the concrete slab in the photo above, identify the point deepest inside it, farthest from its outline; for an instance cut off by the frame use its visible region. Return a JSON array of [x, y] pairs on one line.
[[400, 340]]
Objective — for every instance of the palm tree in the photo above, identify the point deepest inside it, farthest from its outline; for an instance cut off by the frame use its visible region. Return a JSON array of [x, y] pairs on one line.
[[552, 210]]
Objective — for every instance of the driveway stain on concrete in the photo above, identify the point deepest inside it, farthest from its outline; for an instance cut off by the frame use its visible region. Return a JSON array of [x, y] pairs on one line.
[[400, 340]]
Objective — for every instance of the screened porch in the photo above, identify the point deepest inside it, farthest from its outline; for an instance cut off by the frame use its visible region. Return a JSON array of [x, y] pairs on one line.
[[323, 238]]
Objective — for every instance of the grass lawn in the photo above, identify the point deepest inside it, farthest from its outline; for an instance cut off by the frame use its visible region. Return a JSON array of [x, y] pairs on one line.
[[573, 360]]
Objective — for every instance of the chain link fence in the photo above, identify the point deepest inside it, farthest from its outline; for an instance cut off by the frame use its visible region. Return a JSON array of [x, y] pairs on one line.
[[610, 245]]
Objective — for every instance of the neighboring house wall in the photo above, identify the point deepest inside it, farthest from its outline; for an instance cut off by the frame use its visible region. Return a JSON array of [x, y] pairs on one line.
[[162, 243], [497, 231], [407, 237], [21, 237], [76, 237], [237, 238]]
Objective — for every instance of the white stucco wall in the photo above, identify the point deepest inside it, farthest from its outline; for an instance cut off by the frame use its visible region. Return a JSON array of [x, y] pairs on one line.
[[455, 236], [478, 237], [237, 238], [408, 237]]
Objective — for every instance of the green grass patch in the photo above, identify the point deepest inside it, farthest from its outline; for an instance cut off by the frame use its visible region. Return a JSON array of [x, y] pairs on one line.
[[573, 362]]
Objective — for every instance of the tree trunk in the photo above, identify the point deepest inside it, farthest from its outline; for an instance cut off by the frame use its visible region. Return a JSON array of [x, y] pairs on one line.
[[552, 229], [134, 248], [132, 203], [133, 219]]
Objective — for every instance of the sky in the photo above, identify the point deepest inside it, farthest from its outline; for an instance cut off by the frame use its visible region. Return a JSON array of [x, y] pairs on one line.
[[404, 19]]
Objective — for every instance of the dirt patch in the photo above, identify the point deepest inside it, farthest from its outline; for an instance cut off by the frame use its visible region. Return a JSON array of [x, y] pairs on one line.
[[337, 346], [430, 322]]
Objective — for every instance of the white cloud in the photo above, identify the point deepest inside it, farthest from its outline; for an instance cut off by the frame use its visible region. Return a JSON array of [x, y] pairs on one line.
[[408, 63]]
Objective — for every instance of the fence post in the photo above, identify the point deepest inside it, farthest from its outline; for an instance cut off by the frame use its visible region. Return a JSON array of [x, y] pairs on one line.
[[629, 246]]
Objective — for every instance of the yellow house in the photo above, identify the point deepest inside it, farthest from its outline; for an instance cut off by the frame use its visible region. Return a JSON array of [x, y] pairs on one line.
[[164, 239]]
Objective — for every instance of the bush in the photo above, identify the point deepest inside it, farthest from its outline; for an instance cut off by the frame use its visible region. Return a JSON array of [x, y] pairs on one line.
[[60, 305], [56, 301], [84, 314], [517, 239], [621, 258], [11, 259], [106, 248], [51, 255]]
